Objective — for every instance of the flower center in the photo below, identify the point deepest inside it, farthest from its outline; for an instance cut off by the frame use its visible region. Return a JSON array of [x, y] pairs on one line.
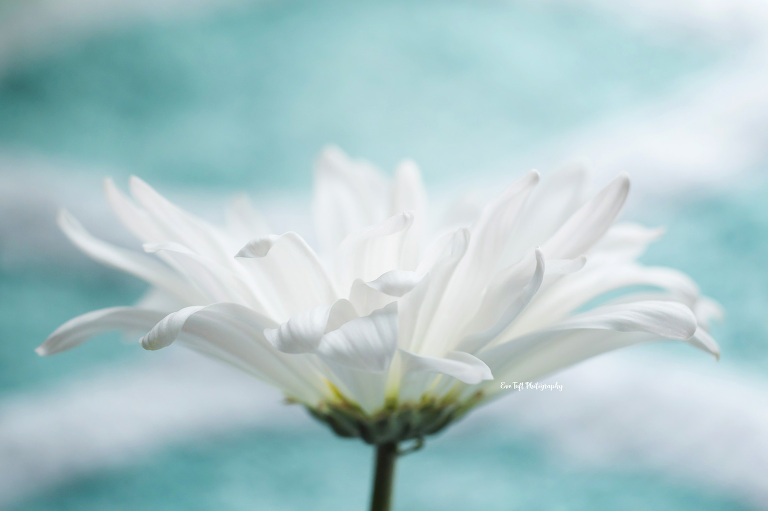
[[396, 422]]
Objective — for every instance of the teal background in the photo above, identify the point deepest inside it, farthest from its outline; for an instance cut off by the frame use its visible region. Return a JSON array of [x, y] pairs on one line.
[[243, 98]]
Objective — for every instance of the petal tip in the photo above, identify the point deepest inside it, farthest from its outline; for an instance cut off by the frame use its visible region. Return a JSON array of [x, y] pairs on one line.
[[63, 216], [149, 344], [407, 165], [624, 180], [139, 187], [257, 248]]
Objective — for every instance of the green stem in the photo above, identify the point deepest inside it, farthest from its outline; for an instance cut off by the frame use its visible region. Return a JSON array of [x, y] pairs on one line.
[[383, 479]]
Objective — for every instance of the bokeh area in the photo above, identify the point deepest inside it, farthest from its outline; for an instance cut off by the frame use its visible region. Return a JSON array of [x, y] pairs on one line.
[[206, 99]]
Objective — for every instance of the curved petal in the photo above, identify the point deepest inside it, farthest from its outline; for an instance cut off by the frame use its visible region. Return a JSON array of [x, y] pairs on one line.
[[348, 196], [369, 296], [135, 263], [396, 282], [82, 328], [234, 334], [488, 241], [702, 340], [625, 241], [366, 343], [543, 353], [660, 319], [303, 332], [418, 308], [368, 253], [244, 222], [217, 283], [663, 318], [178, 225], [167, 330], [408, 195], [589, 223], [286, 271], [574, 291], [132, 216], [491, 233], [462, 366], [549, 206], [565, 266], [512, 301]]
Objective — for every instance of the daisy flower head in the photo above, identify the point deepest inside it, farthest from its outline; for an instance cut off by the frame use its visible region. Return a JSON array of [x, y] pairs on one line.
[[394, 325]]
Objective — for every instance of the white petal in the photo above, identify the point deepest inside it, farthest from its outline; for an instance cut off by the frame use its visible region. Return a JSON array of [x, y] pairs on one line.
[[435, 250], [702, 340], [549, 206], [395, 282], [585, 336], [303, 332], [409, 195], [666, 319], [565, 266], [542, 353], [167, 330], [138, 221], [625, 241], [491, 233], [489, 238], [462, 366], [589, 223], [258, 247], [129, 261], [217, 283], [365, 389], [180, 226], [463, 211], [706, 310], [366, 343], [341, 312], [506, 285], [348, 196], [234, 334], [244, 221], [512, 300], [82, 328], [418, 308], [660, 319], [373, 251], [286, 271], [369, 296], [576, 290]]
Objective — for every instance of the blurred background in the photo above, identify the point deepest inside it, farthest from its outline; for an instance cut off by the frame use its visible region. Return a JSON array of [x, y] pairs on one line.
[[208, 98]]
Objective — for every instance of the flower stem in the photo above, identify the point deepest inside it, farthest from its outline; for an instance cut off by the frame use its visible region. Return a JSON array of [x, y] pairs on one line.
[[383, 479]]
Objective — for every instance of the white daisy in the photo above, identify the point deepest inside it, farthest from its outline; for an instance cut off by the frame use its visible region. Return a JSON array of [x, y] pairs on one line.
[[390, 333]]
